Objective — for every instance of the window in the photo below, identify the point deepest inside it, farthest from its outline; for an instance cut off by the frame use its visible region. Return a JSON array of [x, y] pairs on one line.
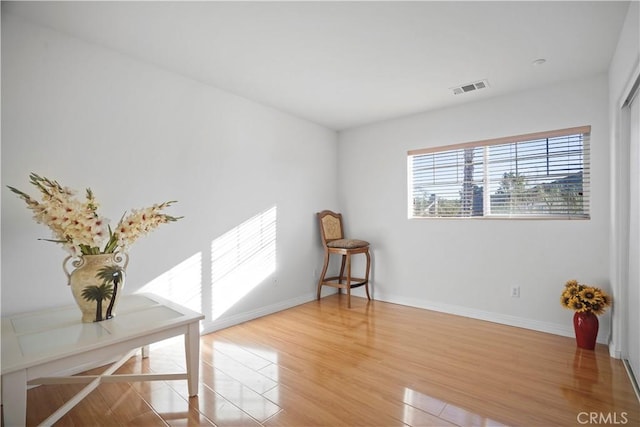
[[541, 175]]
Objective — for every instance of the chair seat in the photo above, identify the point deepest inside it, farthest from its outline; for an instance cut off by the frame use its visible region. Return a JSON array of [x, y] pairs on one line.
[[347, 244]]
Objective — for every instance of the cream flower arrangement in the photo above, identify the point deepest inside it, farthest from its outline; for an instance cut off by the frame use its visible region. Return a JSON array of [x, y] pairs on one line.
[[78, 227], [584, 298]]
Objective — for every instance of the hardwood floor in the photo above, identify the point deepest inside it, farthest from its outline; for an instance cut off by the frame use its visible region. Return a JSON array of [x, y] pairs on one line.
[[376, 364]]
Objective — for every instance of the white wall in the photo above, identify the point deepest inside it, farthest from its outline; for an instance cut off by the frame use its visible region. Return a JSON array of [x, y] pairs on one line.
[[467, 266], [137, 135]]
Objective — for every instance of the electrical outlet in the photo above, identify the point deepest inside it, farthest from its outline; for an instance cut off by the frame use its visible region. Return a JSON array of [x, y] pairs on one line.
[[515, 292]]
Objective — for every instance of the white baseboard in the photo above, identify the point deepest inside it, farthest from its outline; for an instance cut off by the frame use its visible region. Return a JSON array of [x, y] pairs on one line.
[[520, 322], [254, 314]]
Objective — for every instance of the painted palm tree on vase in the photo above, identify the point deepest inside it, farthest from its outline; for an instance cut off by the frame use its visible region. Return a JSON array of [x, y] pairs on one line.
[[98, 294], [111, 274]]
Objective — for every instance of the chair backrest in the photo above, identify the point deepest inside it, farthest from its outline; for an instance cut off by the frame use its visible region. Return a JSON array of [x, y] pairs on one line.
[[330, 226]]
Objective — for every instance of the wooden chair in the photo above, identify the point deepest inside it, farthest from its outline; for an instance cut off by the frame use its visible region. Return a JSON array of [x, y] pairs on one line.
[[331, 232]]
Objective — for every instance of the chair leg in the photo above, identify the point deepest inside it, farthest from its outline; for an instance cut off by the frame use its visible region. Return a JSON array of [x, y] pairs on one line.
[[366, 277], [348, 281], [344, 257], [324, 272]]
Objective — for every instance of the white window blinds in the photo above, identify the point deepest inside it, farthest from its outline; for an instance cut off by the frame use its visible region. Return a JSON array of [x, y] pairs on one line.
[[542, 175]]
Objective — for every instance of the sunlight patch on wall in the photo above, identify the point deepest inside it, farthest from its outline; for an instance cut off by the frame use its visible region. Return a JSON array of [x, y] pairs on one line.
[[241, 259], [182, 284]]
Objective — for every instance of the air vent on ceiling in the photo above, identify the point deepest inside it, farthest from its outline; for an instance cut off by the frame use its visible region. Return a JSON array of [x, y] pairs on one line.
[[482, 84]]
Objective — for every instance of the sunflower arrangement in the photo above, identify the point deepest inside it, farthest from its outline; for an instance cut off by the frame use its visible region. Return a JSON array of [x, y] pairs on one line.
[[78, 227], [583, 298]]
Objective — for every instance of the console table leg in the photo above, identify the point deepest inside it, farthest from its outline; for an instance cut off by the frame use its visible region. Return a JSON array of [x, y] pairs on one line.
[[14, 398], [192, 352]]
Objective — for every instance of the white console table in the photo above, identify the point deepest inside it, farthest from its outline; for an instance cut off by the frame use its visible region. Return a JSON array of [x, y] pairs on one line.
[[40, 344]]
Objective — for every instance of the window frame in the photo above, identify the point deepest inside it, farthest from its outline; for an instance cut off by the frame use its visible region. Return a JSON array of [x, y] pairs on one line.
[[583, 131]]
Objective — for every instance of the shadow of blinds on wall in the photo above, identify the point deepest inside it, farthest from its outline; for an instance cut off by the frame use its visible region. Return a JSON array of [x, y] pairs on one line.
[[242, 259]]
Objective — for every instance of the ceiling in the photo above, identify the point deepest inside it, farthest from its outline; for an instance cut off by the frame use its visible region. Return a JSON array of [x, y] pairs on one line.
[[346, 64]]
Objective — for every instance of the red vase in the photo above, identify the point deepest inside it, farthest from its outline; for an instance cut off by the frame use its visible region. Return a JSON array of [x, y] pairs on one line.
[[586, 328]]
